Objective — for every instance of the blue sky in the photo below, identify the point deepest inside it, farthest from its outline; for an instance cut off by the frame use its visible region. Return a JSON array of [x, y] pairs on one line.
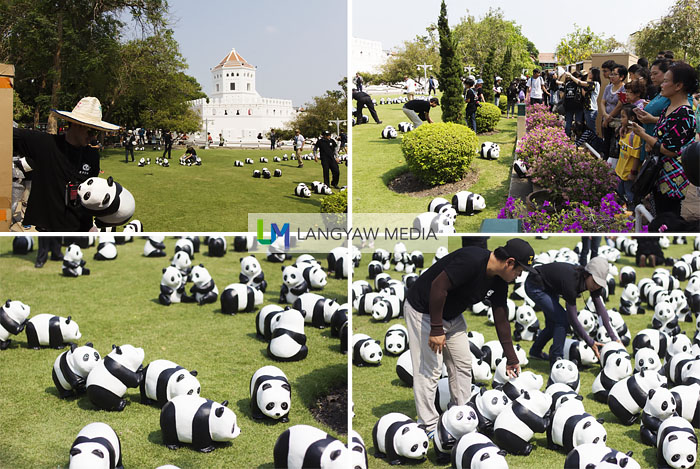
[[299, 47], [544, 22]]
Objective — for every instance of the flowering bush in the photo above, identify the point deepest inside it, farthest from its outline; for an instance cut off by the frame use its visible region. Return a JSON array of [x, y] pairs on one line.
[[539, 115], [575, 217], [540, 140], [572, 174]]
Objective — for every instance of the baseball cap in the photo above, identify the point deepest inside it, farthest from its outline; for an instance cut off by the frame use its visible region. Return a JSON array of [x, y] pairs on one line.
[[521, 251], [479, 81], [326, 132], [598, 268]]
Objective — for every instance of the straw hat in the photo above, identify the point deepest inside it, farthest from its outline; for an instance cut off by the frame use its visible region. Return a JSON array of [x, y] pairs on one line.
[[87, 112]]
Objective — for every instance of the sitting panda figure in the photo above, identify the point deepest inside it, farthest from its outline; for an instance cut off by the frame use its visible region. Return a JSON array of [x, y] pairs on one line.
[[316, 309], [565, 371], [571, 426], [475, 450], [527, 326], [164, 380], [182, 262], [109, 379], [287, 340], [468, 203], [399, 439], [306, 446], [660, 405], [396, 340], [106, 200], [73, 263], [617, 367], [520, 168], [106, 248], [293, 284], [172, 287], [517, 424], [154, 246], [490, 150], [676, 444], [71, 369], [302, 191], [13, 319], [52, 331], [454, 423], [238, 297], [216, 246], [97, 446], [270, 394], [365, 350], [252, 273], [489, 405], [185, 245], [647, 359], [626, 395], [665, 319], [204, 289], [197, 421]]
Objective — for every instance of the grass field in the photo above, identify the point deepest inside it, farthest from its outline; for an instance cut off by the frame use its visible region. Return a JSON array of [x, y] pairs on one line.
[[118, 304], [378, 390], [376, 162], [216, 196]]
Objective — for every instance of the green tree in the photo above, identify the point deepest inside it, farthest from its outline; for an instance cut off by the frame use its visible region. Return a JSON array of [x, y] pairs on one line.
[[421, 50], [506, 70], [488, 74], [314, 118], [581, 44], [678, 31], [450, 72]]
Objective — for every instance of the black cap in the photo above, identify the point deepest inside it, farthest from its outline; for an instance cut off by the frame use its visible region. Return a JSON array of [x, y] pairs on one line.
[[521, 251], [326, 133]]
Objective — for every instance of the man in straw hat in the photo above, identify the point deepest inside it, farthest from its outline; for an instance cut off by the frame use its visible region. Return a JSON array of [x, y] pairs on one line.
[[60, 163]]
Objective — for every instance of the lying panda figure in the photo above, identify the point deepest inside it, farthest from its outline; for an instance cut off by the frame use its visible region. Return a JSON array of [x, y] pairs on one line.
[[270, 394], [97, 446], [405, 126], [13, 319], [468, 203], [302, 191], [239, 297], [490, 150], [73, 262], [366, 351], [399, 439], [302, 446], [164, 380], [389, 132]]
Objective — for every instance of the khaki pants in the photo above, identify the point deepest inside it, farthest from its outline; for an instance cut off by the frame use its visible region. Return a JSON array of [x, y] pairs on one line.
[[427, 365], [297, 152]]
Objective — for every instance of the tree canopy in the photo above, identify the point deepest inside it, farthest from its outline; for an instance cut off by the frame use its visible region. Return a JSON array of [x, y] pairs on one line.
[[678, 31], [314, 118], [421, 50], [580, 44]]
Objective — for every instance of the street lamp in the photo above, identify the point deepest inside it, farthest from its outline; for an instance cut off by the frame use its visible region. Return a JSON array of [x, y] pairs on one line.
[[425, 68], [337, 123]]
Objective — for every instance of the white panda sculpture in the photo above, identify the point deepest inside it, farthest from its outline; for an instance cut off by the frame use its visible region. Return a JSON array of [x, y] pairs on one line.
[[399, 439], [490, 150], [365, 350], [579, 352], [647, 359], [572, 426], [106, 248], [52, 331], [164, 380], [627, 396], [186, 245], [71, 369], [627, 275], [154, 246], [106, 200], [293, 284], [514, 387], [13, 319], [489, 404], [238, 297], [316, 309], [172, 286], [287, 340], [653, 339], [216, 246], [182, 262], [520, 168], [517, 424], [302, 191], [389, 132], [204, 289], [358, 452], [454, 423], [527, 326], [660, 405], [617, 367], [197, 421], [270, 394], [396, 340], [263, 320], [109, 379], [565, 371], [97, 446], [468, 203], [442, 205], [477, 451], [387, 308], [591, 455], [687, 399], [73, 262], [302, 446], [676, 444]]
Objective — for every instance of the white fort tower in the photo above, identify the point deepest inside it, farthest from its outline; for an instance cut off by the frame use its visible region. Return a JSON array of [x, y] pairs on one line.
[[235, 108]]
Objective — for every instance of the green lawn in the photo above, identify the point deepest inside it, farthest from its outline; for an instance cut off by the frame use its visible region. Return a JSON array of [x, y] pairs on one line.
[[377, 161], [377, 390], [118, 304], [216, 196]]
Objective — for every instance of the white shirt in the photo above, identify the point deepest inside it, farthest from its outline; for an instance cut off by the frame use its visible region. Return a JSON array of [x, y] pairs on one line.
[[410, 85], [535, 85], [298, 140]]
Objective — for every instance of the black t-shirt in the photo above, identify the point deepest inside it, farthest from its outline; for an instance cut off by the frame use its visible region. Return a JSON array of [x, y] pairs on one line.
[[420, 107], [360, 95], [55, 164], [573, 99], [466, 269], [471, 101], [326, 147], [561, 278]]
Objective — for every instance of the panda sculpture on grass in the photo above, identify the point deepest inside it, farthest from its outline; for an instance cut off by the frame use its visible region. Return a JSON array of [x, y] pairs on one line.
[[293, 284], [396, 340], [72, 367], [47, 330], [591, 455], [454, 423], [154, 246], [13, 319], [617, 367], [490, 150], [389, 132], [302, 446], [366, 351], [172, 287], [477, 451], [97, 446], [197, 421], [204, 289], [626, 395], [106, 248], [106, 200], [183, 263], [676, 444], [238, 297], [22, 245], [73, 262], [489, 404], [109, 379], [399, 439], [517, 424], [270, 394], [263, 319], [252, 273], [216, 246], [468, 203], [288, 340], [301, 190], [660, 405], [164, 380], [571, 426], [316, 309]]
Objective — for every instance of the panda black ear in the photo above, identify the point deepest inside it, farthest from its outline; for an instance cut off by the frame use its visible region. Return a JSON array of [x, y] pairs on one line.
[[193, 372], [164, 270], [600, 420], [110, 181], [89, 344], [73, 347], [201, 265], [219, 411], [651, 393], [7, 303], [579, 397], [629, 453], [498, 360], [225, 403], [119, 350], [68, 320], [113, 346]]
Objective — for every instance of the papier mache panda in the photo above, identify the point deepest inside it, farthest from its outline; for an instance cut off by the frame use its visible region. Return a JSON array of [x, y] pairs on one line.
[[396, 340], [527, 326], [73, 262], [239, 297], [197, 421], [109, 379], [316, 309], [97, 446], [172, 287], [571, 426], [454, 423], [270, 394], [216, 246], [52, 331], [591, 455], [154, 246], [477, 451], [627, 397], [306, 446], [288, 340], [72, 367], [517, 424], [13, 319], [183, 263], [293, 284], [252, 273], [106, 248], [365, 350], [106, 200], [22, 245], [163, 380], [263, 320], [676, 444], [399, 439], [204, 289], [660, 405], [468, 203]]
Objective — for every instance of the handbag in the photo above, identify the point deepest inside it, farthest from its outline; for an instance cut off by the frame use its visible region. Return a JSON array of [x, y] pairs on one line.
[[647, 177]]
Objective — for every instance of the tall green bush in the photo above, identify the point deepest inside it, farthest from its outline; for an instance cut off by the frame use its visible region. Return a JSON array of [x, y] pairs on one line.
[[440, 153], [450, 71], [487, 117]]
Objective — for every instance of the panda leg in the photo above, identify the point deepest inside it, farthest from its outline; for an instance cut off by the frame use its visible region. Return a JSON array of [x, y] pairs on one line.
[[648, 437], [164, 299], [442, 458], [32, 337], [206, 449], [208, 298], [620, 412], [62, 393], [4, 344], [105, 399], [86, 271]]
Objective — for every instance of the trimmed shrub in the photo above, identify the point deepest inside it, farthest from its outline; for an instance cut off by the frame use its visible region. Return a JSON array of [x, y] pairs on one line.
[[503, 103], [487, 117], [335, 203], [440, 153]]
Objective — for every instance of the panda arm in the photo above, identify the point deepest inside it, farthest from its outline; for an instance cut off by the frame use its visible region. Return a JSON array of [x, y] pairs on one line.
[[603, 313]]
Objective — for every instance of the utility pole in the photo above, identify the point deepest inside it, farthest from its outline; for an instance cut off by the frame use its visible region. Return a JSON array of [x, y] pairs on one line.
[[425, 68], [337, 123]]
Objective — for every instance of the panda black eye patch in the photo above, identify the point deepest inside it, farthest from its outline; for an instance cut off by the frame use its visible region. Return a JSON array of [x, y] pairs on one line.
[[86, 357], [266, 386], [414, 448], [270, 406], [98, 453]]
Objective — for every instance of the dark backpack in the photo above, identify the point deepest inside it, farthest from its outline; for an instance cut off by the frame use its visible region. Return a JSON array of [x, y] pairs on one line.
[[572, 95]]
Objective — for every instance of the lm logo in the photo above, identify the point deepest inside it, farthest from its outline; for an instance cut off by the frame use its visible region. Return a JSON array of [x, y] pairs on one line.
[[274, 233]]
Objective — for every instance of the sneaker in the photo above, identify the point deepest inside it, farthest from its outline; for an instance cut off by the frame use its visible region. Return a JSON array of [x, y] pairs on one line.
[[335, 186], [379, 122], [539, 355]]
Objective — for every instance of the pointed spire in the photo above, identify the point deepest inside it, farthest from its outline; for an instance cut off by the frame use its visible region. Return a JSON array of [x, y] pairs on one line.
[[233, 59]]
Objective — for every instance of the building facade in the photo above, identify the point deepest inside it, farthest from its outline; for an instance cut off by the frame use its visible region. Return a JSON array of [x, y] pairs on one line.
[[235, 108], [367, 56]]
